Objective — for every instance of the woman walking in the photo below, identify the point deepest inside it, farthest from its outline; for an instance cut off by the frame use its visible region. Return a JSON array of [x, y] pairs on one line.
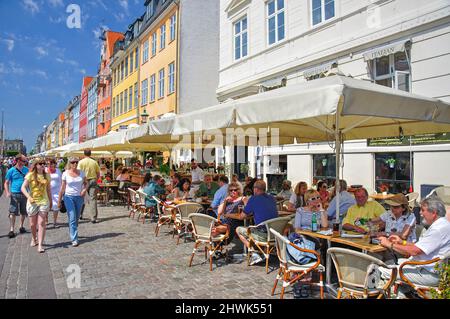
[[38, 202], [73, 187], [55, 186]]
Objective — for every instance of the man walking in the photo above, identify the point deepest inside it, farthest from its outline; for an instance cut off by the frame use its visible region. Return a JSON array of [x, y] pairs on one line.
[[91, 170], [13, 183]]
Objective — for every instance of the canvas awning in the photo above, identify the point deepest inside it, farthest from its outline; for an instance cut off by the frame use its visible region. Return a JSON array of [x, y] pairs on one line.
[[385, 50]]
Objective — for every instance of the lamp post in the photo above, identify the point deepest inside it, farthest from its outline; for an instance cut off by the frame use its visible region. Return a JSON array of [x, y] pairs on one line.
[[144, 116]]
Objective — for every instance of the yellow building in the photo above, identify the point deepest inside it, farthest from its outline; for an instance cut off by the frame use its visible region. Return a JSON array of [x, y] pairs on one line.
[[158, 68], [125, 71]]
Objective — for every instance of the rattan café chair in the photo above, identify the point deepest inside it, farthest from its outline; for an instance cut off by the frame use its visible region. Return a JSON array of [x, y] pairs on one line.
[[266, 247], [353, 269], [165, 215], [202, 226], [182, 220], [291, 272]]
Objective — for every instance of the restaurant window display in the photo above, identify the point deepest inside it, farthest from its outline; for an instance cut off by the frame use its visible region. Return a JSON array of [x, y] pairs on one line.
[[393, 172], [324, 167]]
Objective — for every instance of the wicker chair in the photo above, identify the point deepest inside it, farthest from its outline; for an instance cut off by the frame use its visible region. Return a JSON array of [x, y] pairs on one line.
[[165, 215], [135, 204], [182, 220], [422, 291], [353, 269], [443, 192], [143, 210], [291, 272], [202, 225], [266, 247], [412, 199]]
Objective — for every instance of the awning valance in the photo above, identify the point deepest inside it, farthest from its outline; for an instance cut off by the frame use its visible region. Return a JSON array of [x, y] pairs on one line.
[[318, 69], [385, 50]]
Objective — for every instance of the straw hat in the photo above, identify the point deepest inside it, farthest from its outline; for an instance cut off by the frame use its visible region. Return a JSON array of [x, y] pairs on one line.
[[398, 200]]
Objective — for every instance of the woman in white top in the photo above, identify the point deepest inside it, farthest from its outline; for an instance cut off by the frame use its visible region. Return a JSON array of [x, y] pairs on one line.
[[55, 186], [73, 187]]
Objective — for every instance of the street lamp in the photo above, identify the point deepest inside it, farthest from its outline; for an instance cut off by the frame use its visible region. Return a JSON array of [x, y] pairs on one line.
[[144, 116]]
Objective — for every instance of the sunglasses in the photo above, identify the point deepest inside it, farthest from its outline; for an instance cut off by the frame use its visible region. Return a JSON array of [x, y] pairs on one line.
[[41, 164], [233, 190], [314, 198], [74, 162]]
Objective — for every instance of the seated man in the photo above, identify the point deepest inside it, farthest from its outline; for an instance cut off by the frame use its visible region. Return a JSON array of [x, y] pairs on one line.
[[153, 188], [362, 211], [263, 207], [220, 195], [434, 243], [208, 188], [346, 200]]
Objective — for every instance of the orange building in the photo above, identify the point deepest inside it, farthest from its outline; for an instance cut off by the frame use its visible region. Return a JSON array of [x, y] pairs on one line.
[[104, 82]]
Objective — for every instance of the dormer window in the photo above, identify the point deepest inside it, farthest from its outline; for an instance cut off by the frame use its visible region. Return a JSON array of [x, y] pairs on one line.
[[149, 9]]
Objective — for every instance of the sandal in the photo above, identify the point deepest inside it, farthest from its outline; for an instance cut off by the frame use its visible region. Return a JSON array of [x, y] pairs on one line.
[[41, 250], [34, 242]]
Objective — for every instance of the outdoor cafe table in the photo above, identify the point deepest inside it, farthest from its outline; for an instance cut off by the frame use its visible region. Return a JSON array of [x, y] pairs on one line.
[[106, 187], [360, 243], [381, 197]]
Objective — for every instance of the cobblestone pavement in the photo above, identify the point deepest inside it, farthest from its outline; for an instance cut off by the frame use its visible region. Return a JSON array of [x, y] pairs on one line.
[[121, 258]]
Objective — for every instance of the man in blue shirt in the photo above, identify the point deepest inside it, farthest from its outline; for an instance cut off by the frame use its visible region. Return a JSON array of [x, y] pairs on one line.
[[13, 183], [220, 195], [153, 189], [263, 207], [345, 201]]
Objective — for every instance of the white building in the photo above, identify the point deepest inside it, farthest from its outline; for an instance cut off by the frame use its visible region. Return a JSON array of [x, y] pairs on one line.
[[404, 44]]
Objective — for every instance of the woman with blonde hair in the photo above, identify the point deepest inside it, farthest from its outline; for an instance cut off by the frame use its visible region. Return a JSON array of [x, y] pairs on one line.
[[298, 197], [39, 203], [303, 215]]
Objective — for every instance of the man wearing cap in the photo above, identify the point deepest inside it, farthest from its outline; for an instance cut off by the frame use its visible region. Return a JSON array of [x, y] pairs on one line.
[[363, 210], [13, 183], [398, 220], [435, 242], [91, 170]]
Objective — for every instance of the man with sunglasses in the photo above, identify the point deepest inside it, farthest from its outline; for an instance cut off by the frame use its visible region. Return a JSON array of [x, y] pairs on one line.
[[13, 183]]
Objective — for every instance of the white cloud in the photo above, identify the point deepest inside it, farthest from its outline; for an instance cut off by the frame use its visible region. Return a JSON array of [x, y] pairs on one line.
[[41, 51], [9, 44], [82, 71], [3, 69], [16, 69], [124, 4], [57, 20], [41, 73], [120, 17], [30, 6], [56, 3]]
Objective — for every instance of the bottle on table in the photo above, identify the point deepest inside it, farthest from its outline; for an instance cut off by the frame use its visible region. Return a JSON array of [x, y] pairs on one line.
[[314, 225]]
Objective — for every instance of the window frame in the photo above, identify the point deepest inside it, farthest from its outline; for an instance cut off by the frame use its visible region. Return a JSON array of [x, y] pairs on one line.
[[130, 98], [161, 82], [240, 35], [144, 92], [145, 52], [162, 37], [275, 15], [171, 78], [173, 25], [136, 95], [393, 73], [153, 88], [322, 13], [154, 43]]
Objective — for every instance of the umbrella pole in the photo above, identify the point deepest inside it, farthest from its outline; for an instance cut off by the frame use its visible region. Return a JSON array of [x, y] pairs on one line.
[[338, 164]]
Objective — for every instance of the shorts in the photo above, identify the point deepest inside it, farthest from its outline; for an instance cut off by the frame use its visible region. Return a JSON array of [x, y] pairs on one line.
[[18, 204], [256, 234], [34, 209]]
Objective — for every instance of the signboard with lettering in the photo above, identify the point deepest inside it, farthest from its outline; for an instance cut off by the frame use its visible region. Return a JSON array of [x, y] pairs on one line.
[[424, 139]]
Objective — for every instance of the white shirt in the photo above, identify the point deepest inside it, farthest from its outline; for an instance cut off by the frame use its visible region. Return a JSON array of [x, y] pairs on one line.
[[397, 225], [435, 242], [74, 185], [197, 174], [55, 186]]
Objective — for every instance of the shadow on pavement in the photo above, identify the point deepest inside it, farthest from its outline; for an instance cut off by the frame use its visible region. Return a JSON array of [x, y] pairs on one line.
[[83, 240]]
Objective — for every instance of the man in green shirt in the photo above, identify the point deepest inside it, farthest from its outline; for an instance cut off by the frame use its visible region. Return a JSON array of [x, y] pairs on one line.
[[207, 188], [91, 169]]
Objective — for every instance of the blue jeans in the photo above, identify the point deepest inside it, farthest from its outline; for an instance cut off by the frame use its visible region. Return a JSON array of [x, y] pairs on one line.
[[73, 206]]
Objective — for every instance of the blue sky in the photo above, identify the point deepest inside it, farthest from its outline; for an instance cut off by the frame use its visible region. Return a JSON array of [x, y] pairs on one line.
[[42, 60]]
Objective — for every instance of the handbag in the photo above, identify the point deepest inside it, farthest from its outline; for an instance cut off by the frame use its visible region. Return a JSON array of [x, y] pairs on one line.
[[297, 256], [63, 208], [32, 208]]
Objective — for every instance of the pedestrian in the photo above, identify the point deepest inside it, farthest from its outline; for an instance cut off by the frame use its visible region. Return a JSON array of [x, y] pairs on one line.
[[13, 183], [39, 200], [91, 170], [55, 186], [73, 188]]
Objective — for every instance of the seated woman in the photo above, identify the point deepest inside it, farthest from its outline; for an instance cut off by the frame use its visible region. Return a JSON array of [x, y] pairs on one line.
[[124, 176], [297, 199], [185, 192], [399, 220], [230, 205], [147, 180], [322, 187], [303, 215]]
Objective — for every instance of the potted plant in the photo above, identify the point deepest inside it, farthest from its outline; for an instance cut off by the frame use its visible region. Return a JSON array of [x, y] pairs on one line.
[[391, 162], [443, 291]]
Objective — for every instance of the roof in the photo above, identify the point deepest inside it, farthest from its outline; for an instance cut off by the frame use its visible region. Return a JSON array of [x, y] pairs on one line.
[[111, 38]]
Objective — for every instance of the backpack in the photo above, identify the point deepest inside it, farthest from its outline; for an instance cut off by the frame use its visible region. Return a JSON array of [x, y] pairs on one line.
[[297, 256]]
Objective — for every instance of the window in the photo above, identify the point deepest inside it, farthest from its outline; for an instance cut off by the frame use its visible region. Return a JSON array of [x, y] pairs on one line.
[[153, 44], [393, 172], [114, 77], [136, 95], [322, 10], [144, 94], [172, 77], [121, 103], [240, 38], [117, 106], [162, 39], [145, 54], [275, 20], [125, 101], [130, 102], [152, 87], [173, 27], [136, 59], [150, 9], [161, 83], [121, 70], [126, 66], [131, 62], [392, 71], [114, 104], [324, 166]]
